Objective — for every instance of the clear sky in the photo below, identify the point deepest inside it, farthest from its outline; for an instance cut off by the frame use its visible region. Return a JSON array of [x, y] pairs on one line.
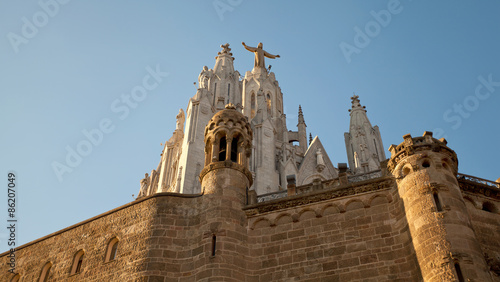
[[65, 68]]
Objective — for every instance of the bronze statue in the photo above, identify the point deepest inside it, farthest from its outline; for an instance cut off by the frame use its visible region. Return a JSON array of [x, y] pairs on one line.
[[259, 55]]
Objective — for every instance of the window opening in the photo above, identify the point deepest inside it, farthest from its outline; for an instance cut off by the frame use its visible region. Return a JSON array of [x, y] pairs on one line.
[[214, 241], [234, 150], [437, 202], [460, 276], [222, 149]]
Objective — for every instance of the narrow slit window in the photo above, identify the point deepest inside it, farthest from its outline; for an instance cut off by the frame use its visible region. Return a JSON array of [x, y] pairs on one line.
[[458, 270], [214, 242], [215, 91], [268, 104], [437, 202], [228, 91], [113, 251], [252, 105]]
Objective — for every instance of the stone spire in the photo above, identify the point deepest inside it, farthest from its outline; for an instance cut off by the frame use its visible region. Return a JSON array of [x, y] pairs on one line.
[[302, 131], [301, 115], [224, 85], [364, 145]]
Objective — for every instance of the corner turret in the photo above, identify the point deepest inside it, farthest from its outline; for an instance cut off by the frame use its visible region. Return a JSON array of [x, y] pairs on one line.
[[445, 244]]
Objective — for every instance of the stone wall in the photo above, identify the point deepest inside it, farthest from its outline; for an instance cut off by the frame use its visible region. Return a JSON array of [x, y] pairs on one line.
[[485, 221], [139, 240], [131, 224], [353, 232], [355, 238]]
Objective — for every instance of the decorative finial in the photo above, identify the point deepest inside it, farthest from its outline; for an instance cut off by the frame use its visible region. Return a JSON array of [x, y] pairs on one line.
[[310, 138], [230, 106], [225, 49], [301, 115], [355, 102]]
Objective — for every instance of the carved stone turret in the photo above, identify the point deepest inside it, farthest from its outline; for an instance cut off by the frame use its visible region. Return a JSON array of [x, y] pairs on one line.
[[445, 244], [228, 145]]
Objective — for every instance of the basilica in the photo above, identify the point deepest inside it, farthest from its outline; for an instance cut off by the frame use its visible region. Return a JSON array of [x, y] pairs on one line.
[[239, 195]]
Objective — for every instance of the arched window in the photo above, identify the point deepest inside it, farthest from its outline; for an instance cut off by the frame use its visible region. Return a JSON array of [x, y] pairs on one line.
[[222, 149], [76, 267], [268, 101], [16, 278], [234, 149], [111, 250], [252, 105], [44, 275]]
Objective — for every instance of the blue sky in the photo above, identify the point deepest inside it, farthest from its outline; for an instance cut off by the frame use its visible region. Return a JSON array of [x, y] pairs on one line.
[[416, 65]]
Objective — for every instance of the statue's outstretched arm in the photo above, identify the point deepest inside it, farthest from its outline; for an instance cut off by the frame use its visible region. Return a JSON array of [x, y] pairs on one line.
[[271, 55], [251, 49]]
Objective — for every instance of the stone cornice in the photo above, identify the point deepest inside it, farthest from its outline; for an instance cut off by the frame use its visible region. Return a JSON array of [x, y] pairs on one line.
[[478, 188], [156, 195], [227, 164], [323, 195]]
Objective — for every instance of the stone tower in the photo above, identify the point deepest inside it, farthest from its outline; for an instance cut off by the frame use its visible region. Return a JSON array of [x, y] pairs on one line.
[[276, 151], [217, 87], [445, 243], [363, 143], [225, 181]]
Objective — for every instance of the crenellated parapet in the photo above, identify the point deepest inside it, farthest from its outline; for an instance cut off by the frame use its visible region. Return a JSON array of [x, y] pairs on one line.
[[415, 145]]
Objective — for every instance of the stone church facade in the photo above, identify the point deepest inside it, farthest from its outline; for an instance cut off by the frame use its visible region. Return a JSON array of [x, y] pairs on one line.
[[239, 197]]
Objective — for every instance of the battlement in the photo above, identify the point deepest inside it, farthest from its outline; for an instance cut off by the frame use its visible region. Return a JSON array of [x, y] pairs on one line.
[[412, 145]]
